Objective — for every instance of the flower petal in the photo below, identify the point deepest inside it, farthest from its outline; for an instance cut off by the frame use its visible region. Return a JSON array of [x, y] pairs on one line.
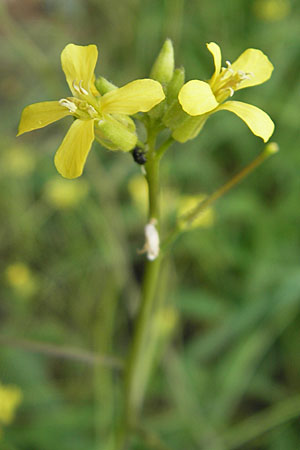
[[78, 63], [38, 115], [216, 52], [196, 97], [139, 95], [71, 155], [257, 120], [255, 63]]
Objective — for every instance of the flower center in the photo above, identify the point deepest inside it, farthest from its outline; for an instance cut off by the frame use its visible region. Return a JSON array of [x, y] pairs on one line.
[[81, 109], [84, 105], [228, 81]]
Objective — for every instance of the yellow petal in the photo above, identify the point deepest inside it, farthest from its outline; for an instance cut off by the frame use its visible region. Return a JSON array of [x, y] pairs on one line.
[[71, 155], [216, 52], [257, 120], [196, 97], [139, 95], [78, 63], [41, 114], [256, 64]]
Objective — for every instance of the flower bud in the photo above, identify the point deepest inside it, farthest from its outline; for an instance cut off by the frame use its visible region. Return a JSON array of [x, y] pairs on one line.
[[114, 135], [163, 68], [174, 115], [175, 84], [104, 86], [271, 147]]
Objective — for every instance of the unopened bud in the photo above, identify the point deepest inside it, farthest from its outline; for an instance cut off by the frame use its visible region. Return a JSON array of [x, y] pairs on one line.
[[104, 86], [174, 115], [114, 135], [163, 68], [175, 84], [271, 148]]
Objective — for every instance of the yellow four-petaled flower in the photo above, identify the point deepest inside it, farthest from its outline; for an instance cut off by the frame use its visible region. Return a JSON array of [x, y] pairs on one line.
[[199, 98], [90, 110]]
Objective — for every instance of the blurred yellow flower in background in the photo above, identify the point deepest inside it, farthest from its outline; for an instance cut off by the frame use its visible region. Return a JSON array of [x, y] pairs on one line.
[[95, 114], [272, 10], [186, 204], [18, 161], [63, 194], [201, 99], [10, 398], [20, 277], [138, 190]]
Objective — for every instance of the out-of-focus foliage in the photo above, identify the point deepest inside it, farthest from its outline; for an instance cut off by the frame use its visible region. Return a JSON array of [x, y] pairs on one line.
[[70, 272]]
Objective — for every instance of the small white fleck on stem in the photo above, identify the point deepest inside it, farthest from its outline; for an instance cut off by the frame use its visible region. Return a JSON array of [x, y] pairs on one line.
[[151, 246]]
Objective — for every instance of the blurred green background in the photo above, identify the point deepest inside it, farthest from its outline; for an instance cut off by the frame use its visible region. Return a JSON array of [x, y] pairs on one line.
[[229, 376]]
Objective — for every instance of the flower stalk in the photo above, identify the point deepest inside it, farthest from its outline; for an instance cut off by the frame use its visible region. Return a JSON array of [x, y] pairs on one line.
[[186, 221]]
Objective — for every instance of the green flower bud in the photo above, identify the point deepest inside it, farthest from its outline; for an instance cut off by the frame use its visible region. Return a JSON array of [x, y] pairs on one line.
[[163, 68], [175, 84], [114, 135], [104, 86], [174, 115], [190, 128]]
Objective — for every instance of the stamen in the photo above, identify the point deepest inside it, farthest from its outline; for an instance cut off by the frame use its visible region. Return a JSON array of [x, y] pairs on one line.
[[69, 105], [243, 75], [91, 110], [83, 91], [76, 88], [231, 90]]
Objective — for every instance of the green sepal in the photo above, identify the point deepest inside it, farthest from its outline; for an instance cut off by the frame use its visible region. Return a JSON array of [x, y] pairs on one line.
[[114, 135], [189, 128]]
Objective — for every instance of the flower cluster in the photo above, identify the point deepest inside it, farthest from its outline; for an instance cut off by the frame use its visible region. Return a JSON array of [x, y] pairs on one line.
[[102, 111]]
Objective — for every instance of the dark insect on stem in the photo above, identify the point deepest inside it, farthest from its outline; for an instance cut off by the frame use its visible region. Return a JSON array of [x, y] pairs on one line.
[[139, 155]]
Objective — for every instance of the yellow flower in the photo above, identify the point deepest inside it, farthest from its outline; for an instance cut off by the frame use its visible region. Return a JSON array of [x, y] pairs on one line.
[[96, 116], [10, 398], [201, 99]]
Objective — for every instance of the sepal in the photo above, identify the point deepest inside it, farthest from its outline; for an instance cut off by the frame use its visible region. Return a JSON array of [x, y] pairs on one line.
[[114, 135], [190, 128]]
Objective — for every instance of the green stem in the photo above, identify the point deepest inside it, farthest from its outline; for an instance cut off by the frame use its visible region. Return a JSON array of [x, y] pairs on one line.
[[202, 206], [165, 145], [136, 382], [135, 374]]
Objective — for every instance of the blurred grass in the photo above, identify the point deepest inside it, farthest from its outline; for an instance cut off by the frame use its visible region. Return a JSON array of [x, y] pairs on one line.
[[230, 377]]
